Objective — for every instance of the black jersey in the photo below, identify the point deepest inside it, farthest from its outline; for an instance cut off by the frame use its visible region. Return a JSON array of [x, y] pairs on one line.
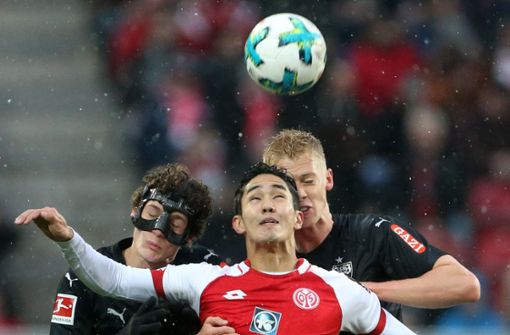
[[374, 248], [78, 310]]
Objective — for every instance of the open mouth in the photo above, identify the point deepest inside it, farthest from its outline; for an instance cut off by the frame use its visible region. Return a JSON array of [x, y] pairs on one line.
[[304, 209], [269, 221]]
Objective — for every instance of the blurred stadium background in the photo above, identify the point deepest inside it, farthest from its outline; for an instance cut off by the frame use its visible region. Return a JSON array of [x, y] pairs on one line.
[[413, 110]]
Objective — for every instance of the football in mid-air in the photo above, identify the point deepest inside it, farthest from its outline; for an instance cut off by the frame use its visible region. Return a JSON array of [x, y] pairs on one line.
[[285, 54]]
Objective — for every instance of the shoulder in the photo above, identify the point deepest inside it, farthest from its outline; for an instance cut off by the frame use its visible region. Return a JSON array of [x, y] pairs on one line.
[[373, 229], [197, 254], [360, 226], [363, 220]]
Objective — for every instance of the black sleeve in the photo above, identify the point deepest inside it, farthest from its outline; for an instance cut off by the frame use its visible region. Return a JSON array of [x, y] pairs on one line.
[[405, 253], [73, 307]]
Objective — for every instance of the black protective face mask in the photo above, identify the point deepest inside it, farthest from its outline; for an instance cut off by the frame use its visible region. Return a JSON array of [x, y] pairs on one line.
[[171, 203]]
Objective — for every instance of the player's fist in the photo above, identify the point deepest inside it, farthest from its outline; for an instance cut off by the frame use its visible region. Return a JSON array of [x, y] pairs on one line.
[[49, 220]]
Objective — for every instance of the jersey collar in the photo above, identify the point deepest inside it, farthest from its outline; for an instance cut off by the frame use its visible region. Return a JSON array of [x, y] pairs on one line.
[[302, 266]]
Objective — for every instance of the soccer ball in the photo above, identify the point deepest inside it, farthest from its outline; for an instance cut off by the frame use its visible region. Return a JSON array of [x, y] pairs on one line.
[[285, 54]]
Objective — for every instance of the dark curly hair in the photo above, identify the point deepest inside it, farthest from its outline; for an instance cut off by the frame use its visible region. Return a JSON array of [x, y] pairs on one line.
[[176, 177], [263, 168]]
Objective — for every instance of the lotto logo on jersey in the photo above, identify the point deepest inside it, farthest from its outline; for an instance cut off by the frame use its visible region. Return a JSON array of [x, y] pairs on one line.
[[408, 238], [63, 309], [265, 322]]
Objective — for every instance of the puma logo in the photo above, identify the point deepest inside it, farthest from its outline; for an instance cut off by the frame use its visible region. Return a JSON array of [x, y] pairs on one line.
[[119, 315], [68, 277], [378, 224], [211, 253]]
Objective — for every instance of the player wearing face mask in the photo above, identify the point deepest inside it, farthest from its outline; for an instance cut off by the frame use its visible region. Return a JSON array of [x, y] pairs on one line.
[[169, 211]]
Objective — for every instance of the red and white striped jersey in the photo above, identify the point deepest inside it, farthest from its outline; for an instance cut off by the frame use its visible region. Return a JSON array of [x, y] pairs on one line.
[[308, 300]]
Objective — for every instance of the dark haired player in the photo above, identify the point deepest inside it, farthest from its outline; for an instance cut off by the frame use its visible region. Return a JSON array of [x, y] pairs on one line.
[[169, 211], [272, 292]]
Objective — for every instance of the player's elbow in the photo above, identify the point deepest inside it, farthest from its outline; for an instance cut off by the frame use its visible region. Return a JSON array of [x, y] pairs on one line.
[[470, 288], [463, 285]]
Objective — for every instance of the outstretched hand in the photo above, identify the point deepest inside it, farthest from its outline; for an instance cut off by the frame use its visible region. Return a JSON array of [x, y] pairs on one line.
[[49, 220]]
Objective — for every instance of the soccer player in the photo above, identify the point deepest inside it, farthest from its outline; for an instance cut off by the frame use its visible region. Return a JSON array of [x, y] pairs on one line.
[[169, 211], [389, 257], [272, 292]]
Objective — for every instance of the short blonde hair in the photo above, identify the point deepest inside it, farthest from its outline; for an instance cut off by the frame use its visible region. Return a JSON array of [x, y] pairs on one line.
[[291, 143]]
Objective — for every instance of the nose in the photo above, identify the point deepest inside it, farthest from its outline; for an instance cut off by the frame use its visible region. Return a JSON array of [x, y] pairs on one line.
[[301, 192], [158, 233], [268, 207]]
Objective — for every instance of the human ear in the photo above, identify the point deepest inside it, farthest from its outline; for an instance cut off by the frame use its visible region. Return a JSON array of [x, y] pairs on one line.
[[133, 213], [300, 217], [238, 225], [329, 180]]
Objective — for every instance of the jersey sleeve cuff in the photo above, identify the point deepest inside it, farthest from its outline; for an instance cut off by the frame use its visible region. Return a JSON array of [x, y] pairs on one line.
[[73, 242]]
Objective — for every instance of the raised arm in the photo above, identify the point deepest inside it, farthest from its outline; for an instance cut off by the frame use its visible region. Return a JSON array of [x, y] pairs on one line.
[[418, 274], [98, 272], [49, 221], [448, 283]]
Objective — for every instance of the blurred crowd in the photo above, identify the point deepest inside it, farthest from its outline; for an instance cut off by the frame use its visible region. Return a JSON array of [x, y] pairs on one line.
[[413, 110]]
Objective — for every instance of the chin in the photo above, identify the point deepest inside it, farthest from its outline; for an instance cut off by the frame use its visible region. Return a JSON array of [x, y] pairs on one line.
[[152, 257], [267, 239]]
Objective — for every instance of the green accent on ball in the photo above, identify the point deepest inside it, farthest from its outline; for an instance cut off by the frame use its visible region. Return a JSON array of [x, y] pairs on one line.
[[251, 44], [288, 86], [302, 37]]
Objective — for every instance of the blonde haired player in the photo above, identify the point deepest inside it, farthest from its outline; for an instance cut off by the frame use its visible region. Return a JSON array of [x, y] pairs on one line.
[[387, 256]]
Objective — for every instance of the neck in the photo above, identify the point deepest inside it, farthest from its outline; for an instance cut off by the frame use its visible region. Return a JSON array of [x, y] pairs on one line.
[[311, 236], [272, 256]]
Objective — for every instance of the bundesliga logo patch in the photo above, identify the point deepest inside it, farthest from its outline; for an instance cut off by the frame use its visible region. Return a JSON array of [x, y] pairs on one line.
[[265, 321], [63, 309]]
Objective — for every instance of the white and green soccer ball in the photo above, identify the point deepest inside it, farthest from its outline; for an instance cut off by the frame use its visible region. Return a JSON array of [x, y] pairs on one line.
[[285, 54]]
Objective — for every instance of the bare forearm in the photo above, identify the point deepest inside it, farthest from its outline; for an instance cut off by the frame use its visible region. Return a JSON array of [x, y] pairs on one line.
[[447, 284]]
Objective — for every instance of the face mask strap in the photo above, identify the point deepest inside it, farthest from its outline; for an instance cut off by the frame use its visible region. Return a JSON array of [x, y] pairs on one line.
[[162, 222]]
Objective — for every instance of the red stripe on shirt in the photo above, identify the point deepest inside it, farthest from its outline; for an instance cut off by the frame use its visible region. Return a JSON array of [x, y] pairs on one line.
[[157, 280], [380, 325]]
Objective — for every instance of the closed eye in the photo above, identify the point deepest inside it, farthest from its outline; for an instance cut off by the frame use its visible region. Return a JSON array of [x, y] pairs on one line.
[[153, 215]]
